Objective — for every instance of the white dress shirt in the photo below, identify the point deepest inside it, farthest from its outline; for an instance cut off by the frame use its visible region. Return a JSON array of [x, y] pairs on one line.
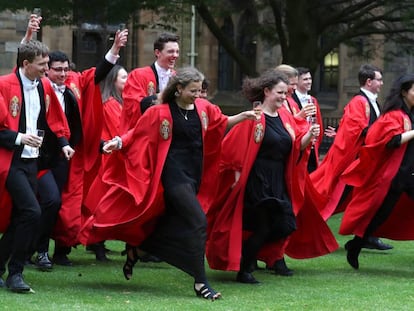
[[32, 110], [163, 76], [303, 98], [372, 99]]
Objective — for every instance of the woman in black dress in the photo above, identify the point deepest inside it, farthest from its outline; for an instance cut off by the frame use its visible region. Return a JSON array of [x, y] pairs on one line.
[[177, 143], [258, 160]]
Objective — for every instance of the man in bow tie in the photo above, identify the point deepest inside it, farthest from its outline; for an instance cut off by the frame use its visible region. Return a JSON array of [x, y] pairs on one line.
[[30, 104], [359, 114], [302, 97], [62, 183], [144, 84]]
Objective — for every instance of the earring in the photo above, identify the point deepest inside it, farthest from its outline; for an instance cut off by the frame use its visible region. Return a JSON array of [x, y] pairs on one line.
[[176, 94]]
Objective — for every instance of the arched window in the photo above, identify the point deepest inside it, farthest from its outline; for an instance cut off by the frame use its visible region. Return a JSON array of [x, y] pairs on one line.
[[225, 62], [330, 72]]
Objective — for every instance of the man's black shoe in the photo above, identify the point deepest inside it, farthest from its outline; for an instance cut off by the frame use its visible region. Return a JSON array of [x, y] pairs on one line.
[[149, 258], [246, 277], [100, 253], [43, 262], [62, 260], [281, 268], [2, 282], [16, 283], [376, 243], [29, 262]]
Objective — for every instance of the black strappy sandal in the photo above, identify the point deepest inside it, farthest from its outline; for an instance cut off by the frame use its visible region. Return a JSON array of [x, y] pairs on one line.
[[131, 260], [207, 292]]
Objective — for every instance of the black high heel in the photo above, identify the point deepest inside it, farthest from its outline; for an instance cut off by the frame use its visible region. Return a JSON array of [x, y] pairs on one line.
[[131, 260], [207, 292]]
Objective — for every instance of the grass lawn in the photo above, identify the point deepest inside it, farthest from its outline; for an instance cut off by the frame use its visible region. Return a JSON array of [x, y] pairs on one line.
[[383, 282]]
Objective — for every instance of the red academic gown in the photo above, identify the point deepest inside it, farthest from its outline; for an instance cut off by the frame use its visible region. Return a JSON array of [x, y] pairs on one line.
[[112, 112], [10, 109], [129, 210], [84, 165], [342, 152], [141, 83], [295, 110], [371, 176], [239, 150]]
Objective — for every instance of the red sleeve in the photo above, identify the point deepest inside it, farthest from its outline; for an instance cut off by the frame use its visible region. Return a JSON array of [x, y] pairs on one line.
[[112, 112], [140, 83]]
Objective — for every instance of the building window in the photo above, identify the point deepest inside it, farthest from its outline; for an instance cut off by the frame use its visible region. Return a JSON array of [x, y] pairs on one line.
[[330, 72], [225, 66]]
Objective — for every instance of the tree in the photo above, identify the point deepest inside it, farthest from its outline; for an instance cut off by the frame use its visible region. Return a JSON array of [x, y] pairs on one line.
[[308, 30], [305, 30]]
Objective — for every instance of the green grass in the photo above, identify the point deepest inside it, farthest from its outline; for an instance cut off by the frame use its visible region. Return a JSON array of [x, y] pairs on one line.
[[383, 282]]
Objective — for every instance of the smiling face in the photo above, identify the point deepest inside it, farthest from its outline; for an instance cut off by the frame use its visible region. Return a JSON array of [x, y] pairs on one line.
[[37, 68], [167, 57], [189, 93], [58, 72], [293, 83], [276, 96], [304, 83]]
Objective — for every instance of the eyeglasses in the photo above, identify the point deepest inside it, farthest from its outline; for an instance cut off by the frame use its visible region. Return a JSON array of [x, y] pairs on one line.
[[378, 79], [60, 69]]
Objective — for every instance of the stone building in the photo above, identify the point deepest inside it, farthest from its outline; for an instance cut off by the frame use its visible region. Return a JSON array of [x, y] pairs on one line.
[[334, 83]]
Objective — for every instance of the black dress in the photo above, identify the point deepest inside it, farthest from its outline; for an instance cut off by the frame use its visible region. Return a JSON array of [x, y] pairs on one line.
[[266, 198], [180, 235]]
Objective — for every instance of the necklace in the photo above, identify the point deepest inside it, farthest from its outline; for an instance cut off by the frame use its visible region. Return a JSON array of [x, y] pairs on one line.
[[185, 115]]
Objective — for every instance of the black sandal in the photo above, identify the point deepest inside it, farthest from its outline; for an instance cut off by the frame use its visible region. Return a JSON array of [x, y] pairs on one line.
[[131, 260], [207, 292]]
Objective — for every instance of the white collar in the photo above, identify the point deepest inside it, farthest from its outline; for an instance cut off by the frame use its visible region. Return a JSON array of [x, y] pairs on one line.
[[301, 95], [60, 88], [161, 71], [371, 96], [27, 83]]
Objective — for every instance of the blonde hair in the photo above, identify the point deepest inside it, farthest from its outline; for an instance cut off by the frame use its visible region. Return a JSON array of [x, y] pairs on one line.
[[288, 70]]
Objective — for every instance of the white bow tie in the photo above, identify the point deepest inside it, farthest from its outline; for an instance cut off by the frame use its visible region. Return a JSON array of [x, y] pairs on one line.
[[60, 88], [304, 99], [30, 86], [165, 74]]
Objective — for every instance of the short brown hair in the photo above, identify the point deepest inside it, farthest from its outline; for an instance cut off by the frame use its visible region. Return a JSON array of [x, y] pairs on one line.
[[29, 51]]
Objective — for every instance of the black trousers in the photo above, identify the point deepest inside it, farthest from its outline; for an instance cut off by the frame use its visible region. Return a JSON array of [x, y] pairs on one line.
[[50, 198], [21, 183]]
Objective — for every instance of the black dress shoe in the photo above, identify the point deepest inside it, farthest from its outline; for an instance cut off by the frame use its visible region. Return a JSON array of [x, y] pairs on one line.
[[281, 268], [100, 254], [16, 283], [149, 258], [376, 243], [29, 262], [62, 260], [43, 262], [246, 277], [353, 248]]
